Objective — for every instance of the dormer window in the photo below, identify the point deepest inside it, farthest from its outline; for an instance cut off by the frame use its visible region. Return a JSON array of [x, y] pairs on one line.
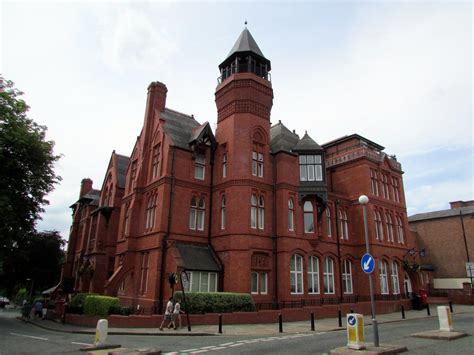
[[311, 167], [200, 165]]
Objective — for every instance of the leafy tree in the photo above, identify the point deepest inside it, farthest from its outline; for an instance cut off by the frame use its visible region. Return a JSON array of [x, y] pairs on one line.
[[38, 258], [26, 169]]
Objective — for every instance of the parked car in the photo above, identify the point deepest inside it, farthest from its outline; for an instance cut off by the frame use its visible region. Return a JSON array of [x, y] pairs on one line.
[[4, 302]]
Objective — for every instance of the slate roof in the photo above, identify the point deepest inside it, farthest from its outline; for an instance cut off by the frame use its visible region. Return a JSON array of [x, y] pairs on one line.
[[94, 197], [441, 214], [179, 127], [282, 139], [121, 169], [197, 257], [245, 43], [307, 143]]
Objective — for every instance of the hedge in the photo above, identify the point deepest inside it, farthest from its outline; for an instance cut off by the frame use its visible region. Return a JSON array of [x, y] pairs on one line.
[[216, 302], [99, 305], [120, 310]]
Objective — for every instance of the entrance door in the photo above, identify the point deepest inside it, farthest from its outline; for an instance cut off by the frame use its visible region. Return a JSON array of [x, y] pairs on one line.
[[407, 285]]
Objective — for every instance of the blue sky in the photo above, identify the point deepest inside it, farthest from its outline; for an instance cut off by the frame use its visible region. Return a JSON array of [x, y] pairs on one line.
[[398, 73]]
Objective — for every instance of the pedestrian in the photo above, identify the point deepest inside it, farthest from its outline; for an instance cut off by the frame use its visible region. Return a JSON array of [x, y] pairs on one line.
[[176, 314], [168, 313], [38, 309], [45, 309]]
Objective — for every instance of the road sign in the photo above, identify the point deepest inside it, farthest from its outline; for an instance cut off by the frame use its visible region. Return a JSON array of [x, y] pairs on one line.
[[355, 331], [368, 263]]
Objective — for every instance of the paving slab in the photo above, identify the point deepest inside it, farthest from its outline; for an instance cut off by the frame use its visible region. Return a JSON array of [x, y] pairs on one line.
[[125, 351], [371, 349], [440, 335]]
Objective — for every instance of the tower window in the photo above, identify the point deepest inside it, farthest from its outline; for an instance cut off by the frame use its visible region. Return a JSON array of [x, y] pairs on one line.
[[257, 164]]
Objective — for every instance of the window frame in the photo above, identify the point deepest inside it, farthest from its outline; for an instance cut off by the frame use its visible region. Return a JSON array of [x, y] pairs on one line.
[[347, 285], [395, 278], [313, 167], [291, 215], [313, 276], [200, 165], [296, 274], [308, 213], [328, 222], [328, 276], [383, 273]]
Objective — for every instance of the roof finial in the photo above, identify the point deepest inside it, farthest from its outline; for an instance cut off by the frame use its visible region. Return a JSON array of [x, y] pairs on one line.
[[245, 23]]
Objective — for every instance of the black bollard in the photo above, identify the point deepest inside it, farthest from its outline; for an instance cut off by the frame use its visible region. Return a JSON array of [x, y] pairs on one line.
[[312, 321], [428, 309], [451, 306], [403, 312], [220, 323], [280, 321], [339, 316]]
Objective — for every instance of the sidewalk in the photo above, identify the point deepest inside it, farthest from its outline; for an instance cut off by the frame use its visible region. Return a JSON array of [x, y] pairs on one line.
[[321, 325]]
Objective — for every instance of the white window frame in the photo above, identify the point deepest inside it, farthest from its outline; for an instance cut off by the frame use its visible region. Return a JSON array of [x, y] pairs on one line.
[[199, 279], [201, 214], [329, 276], [308, 212], [155, 160], [259, 283], [261, 213], [144, 272], [291, 215], [296, 274], [347, 277], [223, 212], [313, 275], [257, 163], [224, 165], [253, 211], [374, 182], [400, 235], [200, 166], [384, 290], [311, 167], [395, 279]]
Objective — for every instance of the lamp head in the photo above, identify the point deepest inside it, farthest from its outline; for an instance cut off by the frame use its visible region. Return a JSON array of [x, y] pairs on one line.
[[363, 200]]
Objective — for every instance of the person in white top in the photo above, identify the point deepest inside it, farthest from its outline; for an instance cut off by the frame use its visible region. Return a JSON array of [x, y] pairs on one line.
[[176, 314], [168, 313]]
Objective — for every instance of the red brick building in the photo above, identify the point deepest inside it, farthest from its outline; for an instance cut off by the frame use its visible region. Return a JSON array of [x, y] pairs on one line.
[[447, 239], [251, 208]]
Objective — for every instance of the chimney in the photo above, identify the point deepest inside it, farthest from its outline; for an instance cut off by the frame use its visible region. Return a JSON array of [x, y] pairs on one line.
[[157, 95], [86, 186], [459, 204]]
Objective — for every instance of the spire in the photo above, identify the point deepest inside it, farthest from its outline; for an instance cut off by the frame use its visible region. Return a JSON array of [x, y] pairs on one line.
[[307, 143], [245, 56]]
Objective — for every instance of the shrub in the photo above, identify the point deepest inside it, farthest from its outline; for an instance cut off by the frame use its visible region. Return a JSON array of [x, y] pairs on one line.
[[20, 296], [99, 305], [216, 302], [120, 310], [76, 305]]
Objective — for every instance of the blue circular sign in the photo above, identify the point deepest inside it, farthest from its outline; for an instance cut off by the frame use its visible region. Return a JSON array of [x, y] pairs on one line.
[[368, 263], [351, 320]]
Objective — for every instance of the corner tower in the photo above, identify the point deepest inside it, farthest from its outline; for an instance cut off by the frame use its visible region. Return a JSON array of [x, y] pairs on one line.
[[243, 176]]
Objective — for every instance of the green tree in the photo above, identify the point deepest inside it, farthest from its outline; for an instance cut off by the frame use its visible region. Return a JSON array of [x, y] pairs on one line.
[[26, 169]]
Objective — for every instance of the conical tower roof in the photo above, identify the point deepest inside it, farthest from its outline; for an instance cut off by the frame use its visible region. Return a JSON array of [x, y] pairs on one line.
[[245, 44]]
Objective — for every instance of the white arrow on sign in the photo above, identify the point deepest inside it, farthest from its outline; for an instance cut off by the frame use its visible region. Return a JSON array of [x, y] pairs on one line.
[[367, 263]]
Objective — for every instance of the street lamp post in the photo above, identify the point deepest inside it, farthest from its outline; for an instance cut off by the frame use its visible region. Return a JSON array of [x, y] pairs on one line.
[[364, 200], [31, 288]]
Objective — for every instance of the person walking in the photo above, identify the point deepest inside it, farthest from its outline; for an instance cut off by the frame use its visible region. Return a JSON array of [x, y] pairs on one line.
[[168, 313], [38, 309], [176, 314]]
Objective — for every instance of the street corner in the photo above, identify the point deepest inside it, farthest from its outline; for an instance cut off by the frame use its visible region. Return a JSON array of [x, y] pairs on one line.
[[371, 350], [440, 335]]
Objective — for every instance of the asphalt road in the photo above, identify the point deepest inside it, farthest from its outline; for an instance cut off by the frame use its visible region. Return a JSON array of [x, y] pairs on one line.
[[17, 337]]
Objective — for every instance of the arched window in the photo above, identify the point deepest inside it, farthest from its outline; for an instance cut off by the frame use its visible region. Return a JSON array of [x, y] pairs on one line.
[[328, 275], [127, 220], [296, 274], [224, 165], [378, 225], [346, 225], [308, 217], [193, 214], [291, 212], [253, 211], [347, 277], [150, 212], [388, 221], [383, 277], [328, 221], [400, 230], [223, 212], [313, 275], [395, 284], [261, 212], [201, 213]]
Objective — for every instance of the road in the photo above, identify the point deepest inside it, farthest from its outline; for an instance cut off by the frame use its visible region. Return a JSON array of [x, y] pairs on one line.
[[17, 337]]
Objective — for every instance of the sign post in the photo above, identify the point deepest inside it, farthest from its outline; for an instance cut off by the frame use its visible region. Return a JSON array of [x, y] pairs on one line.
[[185, 283], [368, 266]]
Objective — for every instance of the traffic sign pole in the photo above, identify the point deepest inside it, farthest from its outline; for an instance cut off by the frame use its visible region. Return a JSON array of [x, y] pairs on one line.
[[363, 200]]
